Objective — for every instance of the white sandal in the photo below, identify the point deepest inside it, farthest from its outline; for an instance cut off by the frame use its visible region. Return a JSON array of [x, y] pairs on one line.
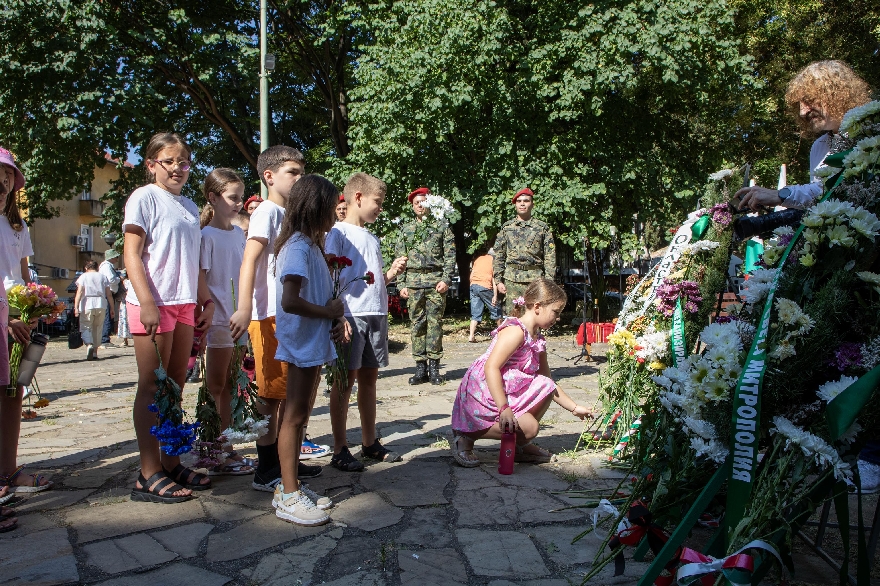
[[460, 455]]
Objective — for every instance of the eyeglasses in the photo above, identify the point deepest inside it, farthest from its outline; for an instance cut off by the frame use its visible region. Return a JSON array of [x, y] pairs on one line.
[[182, 165]]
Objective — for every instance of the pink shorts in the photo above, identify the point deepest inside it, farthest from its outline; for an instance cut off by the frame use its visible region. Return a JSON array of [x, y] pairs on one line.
[[169, 317]]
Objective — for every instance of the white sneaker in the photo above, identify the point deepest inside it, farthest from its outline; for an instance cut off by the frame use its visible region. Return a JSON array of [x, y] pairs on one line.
[[870, 476], [297, 508], [322, 502]]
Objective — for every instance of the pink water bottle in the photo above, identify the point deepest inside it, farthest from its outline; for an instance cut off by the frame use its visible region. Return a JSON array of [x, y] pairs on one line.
[[194, 352], [507, 453]]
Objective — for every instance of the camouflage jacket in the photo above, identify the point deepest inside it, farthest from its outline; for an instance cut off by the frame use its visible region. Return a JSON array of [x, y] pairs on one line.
[[430, 253], [524, 251]]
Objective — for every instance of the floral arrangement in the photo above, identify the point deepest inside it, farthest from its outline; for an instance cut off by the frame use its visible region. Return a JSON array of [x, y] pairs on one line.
[[802, 346], [337, 373], [441, 209], [175, 436], [33, 301]]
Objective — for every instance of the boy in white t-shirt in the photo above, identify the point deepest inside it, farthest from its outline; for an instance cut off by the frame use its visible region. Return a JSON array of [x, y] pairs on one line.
[[366, 309], [279, 167]]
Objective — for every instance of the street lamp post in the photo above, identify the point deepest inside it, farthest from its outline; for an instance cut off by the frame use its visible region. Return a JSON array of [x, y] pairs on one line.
[[264, 93]]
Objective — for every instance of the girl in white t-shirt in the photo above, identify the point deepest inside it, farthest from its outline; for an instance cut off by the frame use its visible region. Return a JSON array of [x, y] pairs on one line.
[[222, 249], [15, 247], [304, 315], [167, 299]]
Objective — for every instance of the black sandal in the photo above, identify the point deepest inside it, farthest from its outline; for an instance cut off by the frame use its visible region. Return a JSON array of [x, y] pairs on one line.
[[158, 489], [346, 462], [188, 478], [379, 452]]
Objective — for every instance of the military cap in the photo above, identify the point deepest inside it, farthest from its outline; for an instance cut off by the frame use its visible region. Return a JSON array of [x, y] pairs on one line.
[[419, 191], [523, 191]]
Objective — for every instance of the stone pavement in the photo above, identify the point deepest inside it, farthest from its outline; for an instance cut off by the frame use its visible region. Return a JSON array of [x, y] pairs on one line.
[[421, 522]]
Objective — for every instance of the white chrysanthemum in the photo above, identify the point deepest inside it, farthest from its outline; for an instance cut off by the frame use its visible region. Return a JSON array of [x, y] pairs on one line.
[[850, 435], [813, 447], [704, 429], [663, 381], [755, 290], [783, 351], [831, 389], [870, 278], [788, 311], [713, 450], [871, 353], [719, 175], [655, 347], [851, 124], [702, 246]]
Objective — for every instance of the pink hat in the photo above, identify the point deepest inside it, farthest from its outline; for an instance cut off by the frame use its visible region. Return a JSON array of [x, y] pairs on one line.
[[6, 158]]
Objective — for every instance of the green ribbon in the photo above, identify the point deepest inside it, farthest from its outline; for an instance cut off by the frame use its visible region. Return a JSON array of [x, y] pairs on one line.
[[836, 160], [754, 250], [700, 226], [843, 409], [679, 346], [745, 429]]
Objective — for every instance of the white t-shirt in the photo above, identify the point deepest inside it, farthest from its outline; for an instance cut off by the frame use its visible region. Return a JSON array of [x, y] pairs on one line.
[[220, 256], [14, 246], [107, 269], [803, 196], [171, 248], [265, 223], [94, 286], [304, 341], [363, 249]]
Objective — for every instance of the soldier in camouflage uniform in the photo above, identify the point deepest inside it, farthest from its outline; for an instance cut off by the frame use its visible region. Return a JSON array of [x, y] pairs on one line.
[[524, 251], [430, 253]]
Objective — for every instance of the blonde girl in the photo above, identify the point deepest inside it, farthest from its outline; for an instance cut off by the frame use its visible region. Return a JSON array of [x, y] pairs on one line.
[[222, 249], [167, 300], [509, 388]]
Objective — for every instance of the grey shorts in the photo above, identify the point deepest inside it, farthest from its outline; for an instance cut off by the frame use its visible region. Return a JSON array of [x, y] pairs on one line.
[[369, 341]]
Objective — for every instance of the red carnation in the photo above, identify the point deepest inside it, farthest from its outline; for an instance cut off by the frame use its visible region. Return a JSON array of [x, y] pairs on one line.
[[370, 278]]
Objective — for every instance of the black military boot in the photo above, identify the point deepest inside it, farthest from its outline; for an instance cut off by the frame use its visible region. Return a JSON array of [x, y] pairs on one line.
[[421, 375], [434, 372]]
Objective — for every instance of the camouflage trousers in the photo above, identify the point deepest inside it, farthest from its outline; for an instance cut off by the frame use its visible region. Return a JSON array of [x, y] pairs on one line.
[[426, 308], [514, 290]]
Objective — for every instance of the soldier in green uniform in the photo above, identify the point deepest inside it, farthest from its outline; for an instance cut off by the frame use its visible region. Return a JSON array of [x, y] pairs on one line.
[[430, 252], [524, 251]]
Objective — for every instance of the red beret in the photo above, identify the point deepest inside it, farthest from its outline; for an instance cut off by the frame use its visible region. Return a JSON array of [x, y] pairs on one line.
[[256, 198], [419, 191], [523, 191], [341, 197]]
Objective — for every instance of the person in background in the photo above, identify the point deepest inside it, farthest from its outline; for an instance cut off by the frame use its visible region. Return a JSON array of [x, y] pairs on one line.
[[108, 269], [94, 299], [484, 293], [341, 208], [243, 221], [252, 203], [123, 332]]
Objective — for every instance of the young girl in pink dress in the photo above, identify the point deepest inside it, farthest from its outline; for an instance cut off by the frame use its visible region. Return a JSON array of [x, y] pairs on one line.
[[509, 387]]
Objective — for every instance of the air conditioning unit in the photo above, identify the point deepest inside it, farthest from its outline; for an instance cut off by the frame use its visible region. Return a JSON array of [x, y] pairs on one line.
[[59, 273], [79, 240]]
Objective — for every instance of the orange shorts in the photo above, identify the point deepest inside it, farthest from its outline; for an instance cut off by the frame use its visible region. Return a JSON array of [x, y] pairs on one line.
[[271, 373]]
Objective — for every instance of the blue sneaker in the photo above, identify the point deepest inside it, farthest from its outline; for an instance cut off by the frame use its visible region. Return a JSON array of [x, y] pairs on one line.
[[311, 450]]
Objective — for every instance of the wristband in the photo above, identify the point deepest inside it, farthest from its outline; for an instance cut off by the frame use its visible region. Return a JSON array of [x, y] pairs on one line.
[[502, 408], [207, 301]]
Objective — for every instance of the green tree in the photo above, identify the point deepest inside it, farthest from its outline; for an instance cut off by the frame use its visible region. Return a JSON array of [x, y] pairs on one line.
[[605, 111]]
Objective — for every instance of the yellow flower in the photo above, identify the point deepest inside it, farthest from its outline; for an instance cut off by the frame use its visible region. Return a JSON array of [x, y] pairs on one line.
[[656, 365], [41, 403], [808, 260]]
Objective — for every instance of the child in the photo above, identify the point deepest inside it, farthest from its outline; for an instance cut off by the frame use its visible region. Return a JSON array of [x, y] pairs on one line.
[[222, 249], [167, 299], [15, 248], [513, 374], [280, 167], [305, 313], [366, 309], [123, 332]]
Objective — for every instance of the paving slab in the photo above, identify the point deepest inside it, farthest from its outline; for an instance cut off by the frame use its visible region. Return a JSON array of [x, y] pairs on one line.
[[530, 476], [29, 523], [409, 483], [121, 518], [367, 512], [506, 554], [473, 478], [128, 553], [503, 505], [294, 563], [427, 527], [437, 567], [362, 578], [555, 541], [353, 552], [255, 535], [43, 558], [173, 575], [51, 499], [226, 513], [184, 540]]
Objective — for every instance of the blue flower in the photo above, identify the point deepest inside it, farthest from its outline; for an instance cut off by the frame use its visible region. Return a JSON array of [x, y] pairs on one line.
[[153, 408]]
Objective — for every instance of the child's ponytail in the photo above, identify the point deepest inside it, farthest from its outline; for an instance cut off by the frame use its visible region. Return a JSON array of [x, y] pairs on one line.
[[207, 215], [543, 291]]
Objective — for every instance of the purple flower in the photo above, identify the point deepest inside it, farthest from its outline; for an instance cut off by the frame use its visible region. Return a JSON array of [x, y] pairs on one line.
[[668, 293], [847, 355], [721, 214]]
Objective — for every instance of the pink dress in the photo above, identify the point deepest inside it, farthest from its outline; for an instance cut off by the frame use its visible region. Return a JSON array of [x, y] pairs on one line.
[[474, 409]]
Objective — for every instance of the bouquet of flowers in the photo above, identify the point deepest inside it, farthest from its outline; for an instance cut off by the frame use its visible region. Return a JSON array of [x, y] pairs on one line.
[[33, 301], [337, 372], [174, 434], [440, 215]]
